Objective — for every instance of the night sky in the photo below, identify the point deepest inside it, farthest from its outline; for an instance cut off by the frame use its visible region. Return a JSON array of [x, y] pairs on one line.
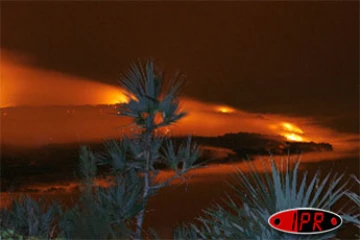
[[295, 58]]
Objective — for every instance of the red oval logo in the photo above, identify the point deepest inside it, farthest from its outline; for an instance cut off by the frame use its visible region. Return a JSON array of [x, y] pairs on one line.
[[305, 221]]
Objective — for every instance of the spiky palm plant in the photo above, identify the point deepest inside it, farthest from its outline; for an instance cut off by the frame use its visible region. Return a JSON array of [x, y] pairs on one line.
[[258, 196], [353, 215], [153, 103]]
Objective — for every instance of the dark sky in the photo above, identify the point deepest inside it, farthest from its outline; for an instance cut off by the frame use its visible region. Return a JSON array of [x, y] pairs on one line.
[[298, 58]]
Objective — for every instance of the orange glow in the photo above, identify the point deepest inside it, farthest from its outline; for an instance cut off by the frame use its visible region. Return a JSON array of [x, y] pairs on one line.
[[225, 109], [293, 137], [292, 132], [27, 85], [34, 125], [291, 128]]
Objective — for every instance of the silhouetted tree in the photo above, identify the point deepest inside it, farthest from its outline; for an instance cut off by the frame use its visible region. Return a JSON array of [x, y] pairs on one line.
[[153, 104]]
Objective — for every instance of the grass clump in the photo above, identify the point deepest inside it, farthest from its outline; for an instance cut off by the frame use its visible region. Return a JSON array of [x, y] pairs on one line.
[[259, 194]]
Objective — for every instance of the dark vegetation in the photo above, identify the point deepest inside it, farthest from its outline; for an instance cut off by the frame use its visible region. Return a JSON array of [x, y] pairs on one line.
[[22, 164]]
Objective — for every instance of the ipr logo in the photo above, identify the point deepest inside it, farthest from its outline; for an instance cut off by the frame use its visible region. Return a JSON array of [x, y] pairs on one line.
[[305, 221]]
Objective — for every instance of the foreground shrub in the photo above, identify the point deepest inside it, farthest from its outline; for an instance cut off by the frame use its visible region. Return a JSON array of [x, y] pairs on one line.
[[102, 212], [28, 219], [353, 215], [258, 196]]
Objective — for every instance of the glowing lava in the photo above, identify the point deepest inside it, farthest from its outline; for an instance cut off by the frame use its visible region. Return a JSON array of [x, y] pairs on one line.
[[291, 128], [293, 137], [225, 109], [52, 107]]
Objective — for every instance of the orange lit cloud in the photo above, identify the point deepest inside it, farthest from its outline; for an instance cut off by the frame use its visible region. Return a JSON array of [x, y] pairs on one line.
[[26, 85], [22, 84], [206, 120]]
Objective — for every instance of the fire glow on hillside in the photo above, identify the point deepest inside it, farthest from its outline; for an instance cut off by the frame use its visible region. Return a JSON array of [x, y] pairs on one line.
[[52, 97], [290, 131]]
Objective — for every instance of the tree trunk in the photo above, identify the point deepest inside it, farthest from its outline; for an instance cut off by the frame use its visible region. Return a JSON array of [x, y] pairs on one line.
[[141, 215], [147, 184]]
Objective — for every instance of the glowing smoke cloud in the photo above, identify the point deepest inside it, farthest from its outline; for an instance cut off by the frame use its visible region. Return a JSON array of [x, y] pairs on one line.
[[26, 85]]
